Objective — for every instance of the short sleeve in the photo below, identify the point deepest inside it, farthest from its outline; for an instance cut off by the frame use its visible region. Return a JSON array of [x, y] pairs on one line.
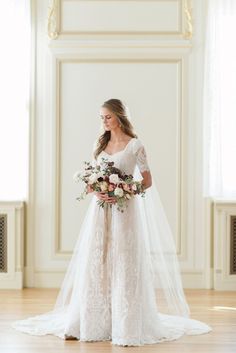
[[141, 156]]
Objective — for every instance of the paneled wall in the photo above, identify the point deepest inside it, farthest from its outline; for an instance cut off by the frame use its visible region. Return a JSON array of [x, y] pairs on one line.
[[143, 52]]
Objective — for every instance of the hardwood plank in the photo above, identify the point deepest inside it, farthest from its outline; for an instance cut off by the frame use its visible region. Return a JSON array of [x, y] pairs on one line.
[[216, 308]]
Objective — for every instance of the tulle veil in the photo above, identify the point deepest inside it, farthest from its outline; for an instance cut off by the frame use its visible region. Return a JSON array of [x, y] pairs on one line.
[[161, 258], [161, 251], [160, 245], [162, 261]]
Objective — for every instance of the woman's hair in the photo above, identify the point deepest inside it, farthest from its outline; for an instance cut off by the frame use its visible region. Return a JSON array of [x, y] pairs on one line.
[[119, 109]]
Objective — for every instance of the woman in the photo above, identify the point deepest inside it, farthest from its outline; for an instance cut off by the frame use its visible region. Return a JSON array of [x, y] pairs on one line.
[[123, 282]]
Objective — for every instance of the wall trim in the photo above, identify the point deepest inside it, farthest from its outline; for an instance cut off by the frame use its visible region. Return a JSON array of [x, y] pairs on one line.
[[181, 237], [185, 31], [29, 249], [53, 279]]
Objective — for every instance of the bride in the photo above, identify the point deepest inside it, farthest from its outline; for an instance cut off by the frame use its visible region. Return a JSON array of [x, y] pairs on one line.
[[123, 282]]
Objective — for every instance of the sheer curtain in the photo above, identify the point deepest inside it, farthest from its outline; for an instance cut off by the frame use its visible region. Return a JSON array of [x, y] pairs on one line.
[[220, 100], [14, 102]]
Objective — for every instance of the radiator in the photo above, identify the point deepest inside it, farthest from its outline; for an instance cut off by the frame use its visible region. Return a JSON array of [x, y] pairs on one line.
[[3, 243], [11, 244], [224, 244], [233, 245]]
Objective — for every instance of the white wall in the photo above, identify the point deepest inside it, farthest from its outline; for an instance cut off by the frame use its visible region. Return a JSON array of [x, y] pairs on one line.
[[137, 51]]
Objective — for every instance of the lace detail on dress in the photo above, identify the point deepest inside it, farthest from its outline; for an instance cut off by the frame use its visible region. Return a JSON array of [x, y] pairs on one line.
[[141, 156]]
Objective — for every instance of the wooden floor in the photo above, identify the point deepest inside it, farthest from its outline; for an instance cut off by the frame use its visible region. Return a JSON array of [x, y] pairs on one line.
[[216, 308]]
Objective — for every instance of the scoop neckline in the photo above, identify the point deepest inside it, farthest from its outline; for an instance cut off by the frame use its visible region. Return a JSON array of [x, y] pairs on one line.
[[120, 150]]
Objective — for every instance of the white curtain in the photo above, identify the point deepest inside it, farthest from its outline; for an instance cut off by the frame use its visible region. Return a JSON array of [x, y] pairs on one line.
[[220, 100], [14, 102]]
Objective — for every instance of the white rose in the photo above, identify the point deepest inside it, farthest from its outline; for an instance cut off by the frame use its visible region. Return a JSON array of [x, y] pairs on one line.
[[92, 179], [119, 192], [114, 178], [100, 175], [104, 186]]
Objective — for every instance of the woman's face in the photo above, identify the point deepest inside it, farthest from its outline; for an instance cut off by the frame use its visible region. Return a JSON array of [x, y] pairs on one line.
[[109, 119]]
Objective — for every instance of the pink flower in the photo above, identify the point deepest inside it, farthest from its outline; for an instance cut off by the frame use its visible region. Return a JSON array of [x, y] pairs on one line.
[[111, 187]]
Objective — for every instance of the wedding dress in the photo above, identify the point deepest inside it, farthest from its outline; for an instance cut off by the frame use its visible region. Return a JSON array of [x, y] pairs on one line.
[[123, 282]]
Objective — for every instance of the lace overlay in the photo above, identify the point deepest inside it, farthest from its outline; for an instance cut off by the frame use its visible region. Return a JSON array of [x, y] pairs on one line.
[[112, 297], [141, 157]]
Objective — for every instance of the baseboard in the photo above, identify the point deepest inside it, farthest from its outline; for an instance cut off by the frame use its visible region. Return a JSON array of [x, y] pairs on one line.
[[47, 279]]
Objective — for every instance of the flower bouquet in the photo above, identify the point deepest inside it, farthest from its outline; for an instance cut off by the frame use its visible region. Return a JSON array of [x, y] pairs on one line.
[[104, 177]]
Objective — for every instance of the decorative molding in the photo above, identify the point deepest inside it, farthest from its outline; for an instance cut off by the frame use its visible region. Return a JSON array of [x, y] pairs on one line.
[[53, 20], [170, 45], [181, 238], [185, 30], [188, 19], [46, 278], [209, 240]]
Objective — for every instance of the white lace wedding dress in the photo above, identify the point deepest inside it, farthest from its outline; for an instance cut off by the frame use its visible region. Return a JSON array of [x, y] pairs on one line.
[[123, 281]]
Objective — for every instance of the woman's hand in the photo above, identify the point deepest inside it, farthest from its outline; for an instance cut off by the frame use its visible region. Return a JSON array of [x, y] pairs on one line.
[[103, 196]]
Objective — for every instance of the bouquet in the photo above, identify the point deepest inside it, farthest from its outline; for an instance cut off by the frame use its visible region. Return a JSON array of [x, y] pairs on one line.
[[104, 177]]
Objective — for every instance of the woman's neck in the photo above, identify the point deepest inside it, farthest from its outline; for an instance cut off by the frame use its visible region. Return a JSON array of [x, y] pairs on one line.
[[117, 136]]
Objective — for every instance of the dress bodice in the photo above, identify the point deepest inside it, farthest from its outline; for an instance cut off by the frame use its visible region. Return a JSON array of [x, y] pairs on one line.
[[133, 154]]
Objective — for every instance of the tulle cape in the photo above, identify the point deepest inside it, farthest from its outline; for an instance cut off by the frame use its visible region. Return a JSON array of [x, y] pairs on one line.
[[161, 258], [161, 250]]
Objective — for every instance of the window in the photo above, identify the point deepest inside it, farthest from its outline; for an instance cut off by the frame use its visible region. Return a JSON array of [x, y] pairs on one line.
[[14, 102]]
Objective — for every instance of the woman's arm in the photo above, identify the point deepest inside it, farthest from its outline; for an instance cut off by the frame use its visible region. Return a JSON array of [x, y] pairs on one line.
[[141, 160], [147, 179]]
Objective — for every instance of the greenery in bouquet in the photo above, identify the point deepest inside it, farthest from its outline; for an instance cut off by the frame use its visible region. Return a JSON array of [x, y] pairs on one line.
[[106, 178]]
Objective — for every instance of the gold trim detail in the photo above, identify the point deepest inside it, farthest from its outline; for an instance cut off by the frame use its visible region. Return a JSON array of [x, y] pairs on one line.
[[52, 20], [185, 23], [188, 19]]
